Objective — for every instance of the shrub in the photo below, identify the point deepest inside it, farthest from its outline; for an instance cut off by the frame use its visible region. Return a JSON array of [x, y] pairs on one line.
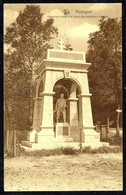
[[69, 151], [86, 149], [103, 149], [22, 135], [43, 152], [115, 140]]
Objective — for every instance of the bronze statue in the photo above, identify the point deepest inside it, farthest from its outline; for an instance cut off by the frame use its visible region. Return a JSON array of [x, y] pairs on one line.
[[60, 107]]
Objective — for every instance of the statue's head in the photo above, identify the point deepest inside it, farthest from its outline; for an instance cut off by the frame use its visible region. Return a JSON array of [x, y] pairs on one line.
[[62, 95]]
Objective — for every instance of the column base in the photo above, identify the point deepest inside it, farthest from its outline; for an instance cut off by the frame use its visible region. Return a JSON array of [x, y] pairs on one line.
[[75, 133], [91, 136], [32, 136], [46, 135]]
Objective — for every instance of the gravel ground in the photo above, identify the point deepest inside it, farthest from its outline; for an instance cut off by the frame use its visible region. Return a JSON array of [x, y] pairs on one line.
[[85, 172]]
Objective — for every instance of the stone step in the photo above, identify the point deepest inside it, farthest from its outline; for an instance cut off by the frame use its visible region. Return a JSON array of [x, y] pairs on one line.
[[36, 146], [63, 139], [69, 139], [26, 143], [95, 144], [27, 148], [44, 143]]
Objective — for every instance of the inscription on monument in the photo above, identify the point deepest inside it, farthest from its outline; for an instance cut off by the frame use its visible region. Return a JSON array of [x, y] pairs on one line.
[[65, 131], [63, 55]]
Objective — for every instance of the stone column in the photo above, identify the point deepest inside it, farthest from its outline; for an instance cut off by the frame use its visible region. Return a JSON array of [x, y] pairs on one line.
[[36, 119], [46, 127], [73, 111], [37, 113], [73, 106], [86, 121], [85, 110]]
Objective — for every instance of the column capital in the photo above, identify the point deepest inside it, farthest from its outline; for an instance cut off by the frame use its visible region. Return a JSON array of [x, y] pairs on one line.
[[84, 95], [37, 98], [47, 93], [72, 99]]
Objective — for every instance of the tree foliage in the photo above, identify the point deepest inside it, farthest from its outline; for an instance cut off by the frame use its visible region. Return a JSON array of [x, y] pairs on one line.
[[105, 73], [29, 35], [68, 47], [29, 38]]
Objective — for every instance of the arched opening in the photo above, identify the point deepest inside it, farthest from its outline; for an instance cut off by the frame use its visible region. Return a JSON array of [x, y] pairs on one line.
[[71, 90]]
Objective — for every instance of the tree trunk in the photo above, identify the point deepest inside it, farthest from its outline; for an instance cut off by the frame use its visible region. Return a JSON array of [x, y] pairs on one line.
[[117, 122], [7, 126], [107, 130], [81, 130], [100, 132], [14, 143]]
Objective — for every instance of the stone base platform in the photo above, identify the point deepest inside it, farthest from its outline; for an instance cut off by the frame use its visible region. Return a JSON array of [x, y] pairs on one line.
[[35, 146], [91, 136]]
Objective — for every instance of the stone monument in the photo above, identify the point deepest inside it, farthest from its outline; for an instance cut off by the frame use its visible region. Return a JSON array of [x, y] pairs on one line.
[[67, 70]]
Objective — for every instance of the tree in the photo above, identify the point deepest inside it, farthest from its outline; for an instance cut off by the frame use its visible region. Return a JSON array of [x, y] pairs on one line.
[[105, 74], [29, 38], [68, 47]]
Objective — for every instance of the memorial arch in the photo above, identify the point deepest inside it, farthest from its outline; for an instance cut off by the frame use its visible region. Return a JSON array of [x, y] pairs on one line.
[[66, 72]]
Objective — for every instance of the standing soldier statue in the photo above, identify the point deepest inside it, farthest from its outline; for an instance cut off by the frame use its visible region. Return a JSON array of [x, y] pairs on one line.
[[60, 107]]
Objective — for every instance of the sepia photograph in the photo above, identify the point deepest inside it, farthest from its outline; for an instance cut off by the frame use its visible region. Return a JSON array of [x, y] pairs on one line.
[[63, 128]]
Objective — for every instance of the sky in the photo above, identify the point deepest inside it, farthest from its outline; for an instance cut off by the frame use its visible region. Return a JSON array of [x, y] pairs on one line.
[[75, 27]]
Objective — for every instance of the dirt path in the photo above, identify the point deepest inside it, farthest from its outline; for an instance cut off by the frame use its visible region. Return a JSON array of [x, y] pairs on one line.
[[91, 172]]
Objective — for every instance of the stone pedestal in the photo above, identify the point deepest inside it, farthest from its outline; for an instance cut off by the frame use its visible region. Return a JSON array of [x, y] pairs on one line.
[[62, 129]]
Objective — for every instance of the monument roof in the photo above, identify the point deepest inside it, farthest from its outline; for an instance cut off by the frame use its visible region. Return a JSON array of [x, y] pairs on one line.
[[63, 55], [62, 59]]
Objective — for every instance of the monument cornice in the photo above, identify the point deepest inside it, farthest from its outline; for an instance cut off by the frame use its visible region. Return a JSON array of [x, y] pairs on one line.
[[62, 65], [46, 93], [55, 60], [84, 95], [61, 70]]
